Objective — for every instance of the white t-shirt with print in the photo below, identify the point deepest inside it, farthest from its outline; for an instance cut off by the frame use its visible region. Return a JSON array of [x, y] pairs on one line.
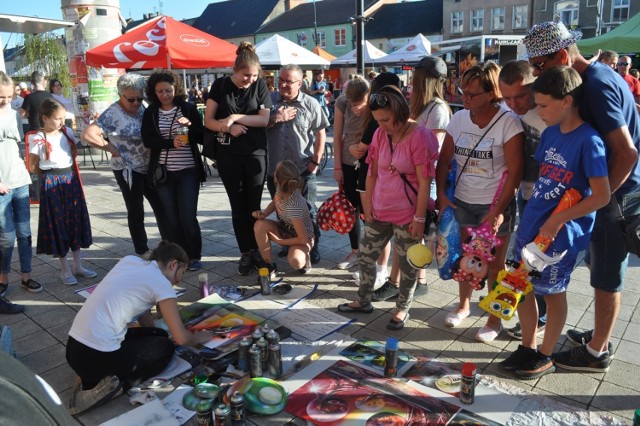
[[131, 288], [481, 175]]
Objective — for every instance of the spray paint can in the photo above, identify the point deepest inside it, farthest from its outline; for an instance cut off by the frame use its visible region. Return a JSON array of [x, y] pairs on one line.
[[243, 353], [275, 360], [237, 414], [468, 383], [391, 357], [273, 337], [255, 362], [222, 414], [266, 328], [204, 414], [257, 334], [264, 281], [264, 352], [203, 283]]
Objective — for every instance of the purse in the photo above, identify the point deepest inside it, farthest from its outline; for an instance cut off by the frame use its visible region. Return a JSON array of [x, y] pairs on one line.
[[337, 213], [630, 228], [159, 175]]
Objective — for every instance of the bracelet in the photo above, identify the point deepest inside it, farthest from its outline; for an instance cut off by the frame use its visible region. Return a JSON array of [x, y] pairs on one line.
[[314, 162], [419, 219]]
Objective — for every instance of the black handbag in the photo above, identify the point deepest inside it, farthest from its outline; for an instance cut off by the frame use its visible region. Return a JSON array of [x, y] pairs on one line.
[[630, 228], [209, 144], [159, 174]]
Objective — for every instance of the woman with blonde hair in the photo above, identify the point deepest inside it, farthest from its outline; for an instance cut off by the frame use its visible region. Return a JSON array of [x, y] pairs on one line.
[[484, 139], [238, 110]]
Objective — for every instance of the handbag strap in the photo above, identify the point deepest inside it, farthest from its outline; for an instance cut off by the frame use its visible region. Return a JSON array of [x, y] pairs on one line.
[[402, 175], [476, 145], [618, 209]]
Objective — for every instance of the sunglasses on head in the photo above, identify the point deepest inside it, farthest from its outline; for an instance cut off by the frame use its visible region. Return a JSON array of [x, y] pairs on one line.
[[378, 100]]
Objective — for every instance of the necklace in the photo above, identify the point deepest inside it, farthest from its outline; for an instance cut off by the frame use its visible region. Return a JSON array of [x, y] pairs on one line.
[[392, 168]]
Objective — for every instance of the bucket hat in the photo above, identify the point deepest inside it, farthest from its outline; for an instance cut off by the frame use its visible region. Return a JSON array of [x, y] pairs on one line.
[[549, 37]]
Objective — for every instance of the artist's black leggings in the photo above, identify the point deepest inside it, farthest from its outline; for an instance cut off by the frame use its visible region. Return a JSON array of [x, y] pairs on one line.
[[243, 177], [145, 352], [350, 184]]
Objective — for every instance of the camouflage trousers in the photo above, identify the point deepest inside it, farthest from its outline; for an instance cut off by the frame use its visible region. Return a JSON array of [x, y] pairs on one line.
[[376, 235]]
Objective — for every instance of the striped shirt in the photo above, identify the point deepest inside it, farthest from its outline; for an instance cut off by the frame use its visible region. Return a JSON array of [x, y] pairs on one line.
[[294, 207], [178, 158]]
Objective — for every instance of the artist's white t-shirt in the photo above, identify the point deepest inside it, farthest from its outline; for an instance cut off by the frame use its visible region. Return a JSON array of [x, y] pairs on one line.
[[131, 288], [482, 173]]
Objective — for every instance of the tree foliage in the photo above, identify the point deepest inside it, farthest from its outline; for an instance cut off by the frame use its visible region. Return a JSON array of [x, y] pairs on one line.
[[47, 53]]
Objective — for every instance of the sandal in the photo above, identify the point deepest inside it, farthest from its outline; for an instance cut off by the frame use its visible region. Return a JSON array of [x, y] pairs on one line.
[[365, 309], [394, 324]]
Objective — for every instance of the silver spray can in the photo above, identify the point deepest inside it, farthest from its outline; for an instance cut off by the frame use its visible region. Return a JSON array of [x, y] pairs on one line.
[[255, 362], [275, 361], [273, 337], [243, 353], [237, 414]]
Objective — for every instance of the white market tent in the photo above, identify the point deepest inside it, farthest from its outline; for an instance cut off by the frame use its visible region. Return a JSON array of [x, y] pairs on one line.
[[276, 51], [410, 53], [371, 55]]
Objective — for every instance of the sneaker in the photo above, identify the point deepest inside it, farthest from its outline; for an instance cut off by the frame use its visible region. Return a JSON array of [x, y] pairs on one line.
[[256, 258], [518, 359], [68, 279], [3, 289], [85, 400], [540, 365], [315, 254], [7, 307], [386, 292], [84, 272], [421, 289], [516, 332], [273, 269], [579, 359], [32, 286], [244, 266], [195, 264], [349, 261], [583, 337]]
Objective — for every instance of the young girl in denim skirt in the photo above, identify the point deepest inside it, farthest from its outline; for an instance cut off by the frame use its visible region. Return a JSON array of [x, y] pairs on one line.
[[63, 219]]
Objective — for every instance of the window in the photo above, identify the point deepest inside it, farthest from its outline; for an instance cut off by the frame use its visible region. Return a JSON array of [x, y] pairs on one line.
[[341, 37], [619, 10], [497, 19], [520, 17], [457, 22], [477, 20], [568, 10], [322, 39], [302, 39]]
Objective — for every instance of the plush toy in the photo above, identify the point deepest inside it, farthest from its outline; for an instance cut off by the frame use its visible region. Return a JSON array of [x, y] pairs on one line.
[[512, 285], [477, 252]]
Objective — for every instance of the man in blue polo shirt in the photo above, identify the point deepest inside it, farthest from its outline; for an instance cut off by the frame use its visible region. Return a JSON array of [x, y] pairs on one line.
[[607, 105]]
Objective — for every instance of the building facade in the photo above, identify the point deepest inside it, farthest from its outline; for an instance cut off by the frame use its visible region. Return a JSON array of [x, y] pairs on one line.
[[463, 19]]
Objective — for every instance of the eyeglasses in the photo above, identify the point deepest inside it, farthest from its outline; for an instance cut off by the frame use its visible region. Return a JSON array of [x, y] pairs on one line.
[[377, 100], [164, 91], [623, 64], [288, 82], [538, 65], [132, 100], [468, 95]]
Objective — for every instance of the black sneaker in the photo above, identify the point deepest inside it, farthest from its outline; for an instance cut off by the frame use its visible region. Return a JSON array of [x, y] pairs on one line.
[[315, 254], [7, 307], [519, 358], [516, 332], [245, 266], [386, 292], [581, 338], [256, 258], [539, 365], [273, 269], [579, 359]]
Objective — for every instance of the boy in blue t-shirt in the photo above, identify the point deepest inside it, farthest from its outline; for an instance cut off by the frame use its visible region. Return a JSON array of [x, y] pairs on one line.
[[571, 155]]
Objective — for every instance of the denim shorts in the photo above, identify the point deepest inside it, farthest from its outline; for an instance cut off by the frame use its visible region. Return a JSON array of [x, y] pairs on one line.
[[469, 215], [607, 253], [553, 279]]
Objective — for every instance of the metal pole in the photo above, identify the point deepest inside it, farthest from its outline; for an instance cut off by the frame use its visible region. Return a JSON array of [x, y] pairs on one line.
[[315, 25], [360, 37]]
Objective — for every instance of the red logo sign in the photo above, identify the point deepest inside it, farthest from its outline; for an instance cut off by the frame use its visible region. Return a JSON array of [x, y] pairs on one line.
[[410, 48]]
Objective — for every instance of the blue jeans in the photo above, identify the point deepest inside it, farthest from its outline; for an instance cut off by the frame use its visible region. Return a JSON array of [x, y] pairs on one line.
[[15, 218], [179, 199]]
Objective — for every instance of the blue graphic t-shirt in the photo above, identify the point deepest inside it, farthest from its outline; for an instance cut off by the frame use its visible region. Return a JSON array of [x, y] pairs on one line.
[[566, 161]]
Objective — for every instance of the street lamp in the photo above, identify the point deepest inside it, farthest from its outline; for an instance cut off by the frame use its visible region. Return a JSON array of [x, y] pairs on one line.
[[315, 25]]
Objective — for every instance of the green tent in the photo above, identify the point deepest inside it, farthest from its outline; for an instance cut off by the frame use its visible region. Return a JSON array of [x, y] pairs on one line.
[[622, 39]]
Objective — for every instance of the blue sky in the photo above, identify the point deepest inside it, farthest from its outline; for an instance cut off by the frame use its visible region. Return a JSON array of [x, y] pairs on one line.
[[51, 9]]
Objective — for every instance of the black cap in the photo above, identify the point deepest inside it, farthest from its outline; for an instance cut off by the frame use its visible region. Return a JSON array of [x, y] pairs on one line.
[[434, 66]]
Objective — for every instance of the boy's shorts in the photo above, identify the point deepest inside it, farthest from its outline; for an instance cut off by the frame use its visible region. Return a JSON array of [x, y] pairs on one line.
[[554, 278], [469, 216]]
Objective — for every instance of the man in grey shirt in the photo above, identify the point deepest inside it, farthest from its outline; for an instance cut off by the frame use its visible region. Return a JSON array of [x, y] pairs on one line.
[[296, 132]]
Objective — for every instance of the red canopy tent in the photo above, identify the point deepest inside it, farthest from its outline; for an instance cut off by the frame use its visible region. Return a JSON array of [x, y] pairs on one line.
[[166, 43]]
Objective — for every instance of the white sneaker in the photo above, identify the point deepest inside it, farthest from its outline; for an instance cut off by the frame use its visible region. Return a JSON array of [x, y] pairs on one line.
[[349, 261]]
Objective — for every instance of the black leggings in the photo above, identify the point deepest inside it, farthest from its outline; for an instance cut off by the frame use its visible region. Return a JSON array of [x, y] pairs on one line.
[[350, 180], [144, 352], [243, 177]]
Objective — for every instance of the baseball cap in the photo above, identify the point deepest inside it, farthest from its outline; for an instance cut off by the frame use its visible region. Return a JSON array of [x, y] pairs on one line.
[[549, 37], [434, 66]]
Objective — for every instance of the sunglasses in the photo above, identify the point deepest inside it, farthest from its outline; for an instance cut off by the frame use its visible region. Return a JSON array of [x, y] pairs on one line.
[[377, 100], [132, 100], [287, 82], [623, 64]]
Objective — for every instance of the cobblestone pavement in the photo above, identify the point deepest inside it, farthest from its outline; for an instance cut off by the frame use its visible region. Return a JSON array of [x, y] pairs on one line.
[[40, 333]]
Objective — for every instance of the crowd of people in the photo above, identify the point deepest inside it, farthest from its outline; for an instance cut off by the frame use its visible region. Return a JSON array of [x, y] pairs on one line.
[[527, 132]]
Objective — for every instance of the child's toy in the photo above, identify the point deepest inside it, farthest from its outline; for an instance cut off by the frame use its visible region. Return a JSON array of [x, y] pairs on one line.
[[479, 249], [419, 256], [448, 245], [512, 285]]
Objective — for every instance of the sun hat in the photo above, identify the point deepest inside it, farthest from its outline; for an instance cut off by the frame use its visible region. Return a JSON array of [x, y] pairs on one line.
[[434, 66], [549, 37]]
